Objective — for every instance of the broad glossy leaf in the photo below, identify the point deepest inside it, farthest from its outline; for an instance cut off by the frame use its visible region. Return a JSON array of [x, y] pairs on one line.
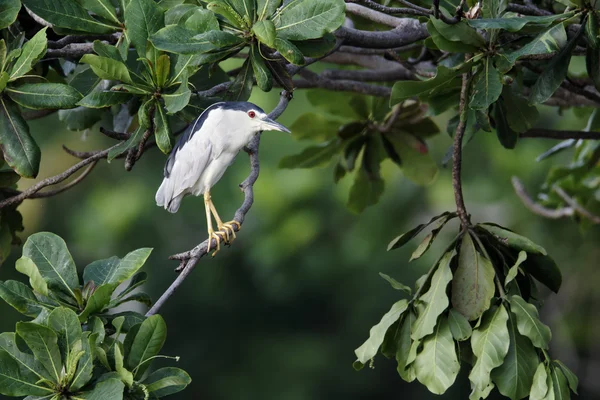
[[102, 8], [289, 51], [513, 271], [109, 389], [104, 98], [395, 284], [528, 322], [9, 9], [20, 297], [134, 140], [63, 321], [107, 68], [592, 55], [26, 361], [313, 156], [403, 90], [3, 80], [21, 152], [559, 384], [515, 376], [516, 23], [265, 32], [365, 191], [98, 301], [114, 270], [85, 366], [506, 135], [264, 79], [520, 115], [241, 88], [546, 42], [487, 86], [406, 237], [176, 101], [166, 381], [473, 283], [143, 18], [554, 72], [68, 14], [435, 301], [459, 326], [309, 19], [31, 52], [417, 164], [147, 342], [539, 387], [460, 32], [430, 238], [18, 381], [80, 118], [447, 45], [44, 95], [266, 8], [544, 269], [202, 20], [43, 342], [404, 358], [162, 130], [49, 252], [493, 8], [490, 344], [229, 13], [369, 348], [126, 375], [437, 365], [571, 377], [316, 47], [513, 240], [179, 13], [161, 70], [26, 266], [315, 127]]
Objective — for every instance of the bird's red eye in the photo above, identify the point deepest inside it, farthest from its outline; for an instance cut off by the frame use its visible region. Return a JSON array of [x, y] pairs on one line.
[[251, 114]]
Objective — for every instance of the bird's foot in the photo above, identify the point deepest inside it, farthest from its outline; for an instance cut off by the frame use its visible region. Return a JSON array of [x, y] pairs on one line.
[[228, 230], [218, 236]]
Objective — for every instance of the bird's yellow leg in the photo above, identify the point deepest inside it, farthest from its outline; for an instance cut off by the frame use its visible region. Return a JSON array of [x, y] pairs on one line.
[[227, 227], [211, 233]]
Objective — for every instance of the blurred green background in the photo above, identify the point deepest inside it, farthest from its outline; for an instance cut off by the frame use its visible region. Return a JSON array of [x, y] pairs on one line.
[[279, 314]]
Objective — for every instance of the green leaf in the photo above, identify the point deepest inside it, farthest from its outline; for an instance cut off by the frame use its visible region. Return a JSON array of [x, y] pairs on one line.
[[147, 342], [407, 236], [263, 76], [18, 381], [487, 86], [506, 135], [265, 32], [437, 365], [460, 32], [516, 23], [459, 326], [473, 283], [443, 79], [447, 45], [315, 127], [528, 322], [435, 300], [555, 72], [114, 270], [49, 252], [43, 342], [64, 323], [162, 131], [142, 19], [539, 387], [85, 366], [31, 52], [201, 21], [134, 140], [430, 238], [107, 68], [80, 118], [163, 66], [20, 297], [21, 152], [559, 384], [289, 51], [514, 377], [126, 376], [98, 301], [266, 8], [417, 164], [44, 95], [546, 42], [179, 13], [9, 9], [395, 284], [241, 87], [309, 19], [316, 47], [104, 98], [571, 377], [26, 361], [224, 9], [106, 50], [512, 239], [68, 14], [545, 270], [512, 272], [176, 101], [166, 381], [493, 8], [108, 389], [520, 115], [592, 55], [102, 8], [490, 344], [178, 39], [3, 80], [369, 348], [25, 266], [313, 156], [365, 191], [404, 358]]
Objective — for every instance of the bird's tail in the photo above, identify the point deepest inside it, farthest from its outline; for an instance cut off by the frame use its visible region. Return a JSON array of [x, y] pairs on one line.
[[164, 197]]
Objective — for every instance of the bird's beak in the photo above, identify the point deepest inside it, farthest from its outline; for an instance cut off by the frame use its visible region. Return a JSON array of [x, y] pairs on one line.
[[270, 125]]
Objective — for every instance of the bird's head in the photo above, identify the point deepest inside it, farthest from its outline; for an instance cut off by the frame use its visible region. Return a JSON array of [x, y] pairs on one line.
[[251, 117]]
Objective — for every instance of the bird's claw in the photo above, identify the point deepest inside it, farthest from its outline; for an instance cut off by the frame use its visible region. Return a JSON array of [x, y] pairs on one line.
[[227, 228], [218, 238]]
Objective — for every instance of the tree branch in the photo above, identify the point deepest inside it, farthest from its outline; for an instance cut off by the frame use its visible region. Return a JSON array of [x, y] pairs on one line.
[[457, 154], [379, 17], [409, 31], [535, 207], [190, 258], [575, 205]]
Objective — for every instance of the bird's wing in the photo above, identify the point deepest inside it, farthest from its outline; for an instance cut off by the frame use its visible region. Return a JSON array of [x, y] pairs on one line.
[[189, 163]]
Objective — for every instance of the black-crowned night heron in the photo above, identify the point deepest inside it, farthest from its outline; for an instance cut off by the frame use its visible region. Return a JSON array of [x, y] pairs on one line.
[[203, 153]]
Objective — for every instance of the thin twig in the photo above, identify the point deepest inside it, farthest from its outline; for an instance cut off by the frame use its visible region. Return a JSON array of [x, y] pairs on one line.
[[575, 205], [73, 183], [457, 153], [189, 259], [535, 207], [115, 135]]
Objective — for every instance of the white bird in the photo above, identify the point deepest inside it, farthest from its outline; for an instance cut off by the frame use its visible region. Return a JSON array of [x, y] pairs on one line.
[[203, 153]]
